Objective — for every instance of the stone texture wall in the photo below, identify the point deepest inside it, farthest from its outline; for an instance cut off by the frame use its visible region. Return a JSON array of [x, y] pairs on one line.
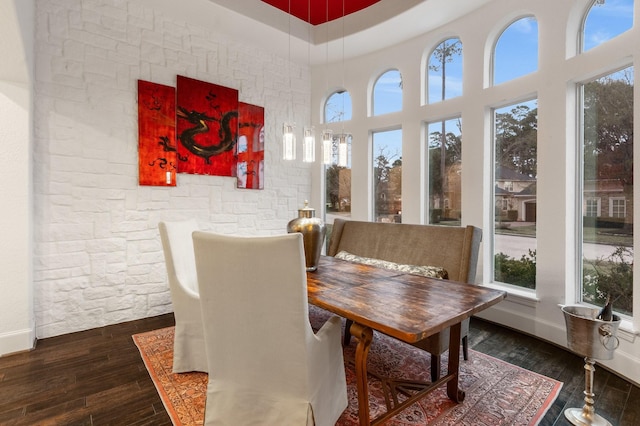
[[98, 258]]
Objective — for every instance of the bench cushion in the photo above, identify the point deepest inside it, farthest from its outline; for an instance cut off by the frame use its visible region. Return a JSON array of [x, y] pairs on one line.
[[425, 271]]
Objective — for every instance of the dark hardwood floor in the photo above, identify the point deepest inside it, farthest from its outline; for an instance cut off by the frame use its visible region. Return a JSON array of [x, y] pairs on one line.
[[97, 377], [616, 399]]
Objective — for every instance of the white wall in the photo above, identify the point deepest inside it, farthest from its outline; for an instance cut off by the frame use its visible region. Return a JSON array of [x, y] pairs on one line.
[[98, 257], [553, 85], [16, 327], [16, 286]]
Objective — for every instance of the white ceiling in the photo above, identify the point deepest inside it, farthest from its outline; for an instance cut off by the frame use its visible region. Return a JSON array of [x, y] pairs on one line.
[[383, 24]]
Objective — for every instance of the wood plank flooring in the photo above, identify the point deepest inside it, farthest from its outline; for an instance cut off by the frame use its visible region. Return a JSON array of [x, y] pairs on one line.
[[97, 377]]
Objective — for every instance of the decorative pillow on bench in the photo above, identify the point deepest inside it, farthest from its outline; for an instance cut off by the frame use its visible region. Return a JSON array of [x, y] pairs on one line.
[[425, 271]]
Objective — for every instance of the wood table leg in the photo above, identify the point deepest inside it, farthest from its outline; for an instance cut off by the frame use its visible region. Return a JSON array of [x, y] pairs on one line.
[[453, 390], [364, 336]]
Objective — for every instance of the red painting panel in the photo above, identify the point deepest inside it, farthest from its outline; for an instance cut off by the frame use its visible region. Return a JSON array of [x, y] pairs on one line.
[[207, 128], [157, 153], [250, 146]]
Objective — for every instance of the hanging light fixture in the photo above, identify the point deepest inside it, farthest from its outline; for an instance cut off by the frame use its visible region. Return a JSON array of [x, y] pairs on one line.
[[327, 146], [309, 137], [309, 146], [327, 134], [343, 139], [343, 149], [288, 142], [288, 135]]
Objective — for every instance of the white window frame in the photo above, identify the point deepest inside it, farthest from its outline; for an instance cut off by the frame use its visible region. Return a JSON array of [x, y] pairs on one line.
[[598, 201], [612, 201]]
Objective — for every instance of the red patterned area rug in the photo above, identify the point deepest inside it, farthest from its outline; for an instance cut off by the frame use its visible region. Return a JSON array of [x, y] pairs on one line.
[[497, 393]]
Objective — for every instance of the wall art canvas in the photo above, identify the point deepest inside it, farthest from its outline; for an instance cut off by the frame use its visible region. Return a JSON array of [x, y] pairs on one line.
[[207, 127], [157, 152], [250, 146]]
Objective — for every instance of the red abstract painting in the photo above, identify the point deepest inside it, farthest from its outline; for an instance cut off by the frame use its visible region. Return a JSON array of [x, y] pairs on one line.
[[207, 127], [250, 146], [156, 134]]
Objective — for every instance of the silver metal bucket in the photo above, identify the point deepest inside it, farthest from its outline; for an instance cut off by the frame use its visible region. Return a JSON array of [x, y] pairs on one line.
[[589, 336]]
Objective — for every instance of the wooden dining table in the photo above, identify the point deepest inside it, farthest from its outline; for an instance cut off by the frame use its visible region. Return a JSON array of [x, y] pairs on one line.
[[404, 306]]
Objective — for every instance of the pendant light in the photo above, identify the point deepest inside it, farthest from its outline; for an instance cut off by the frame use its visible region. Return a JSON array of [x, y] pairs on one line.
[[309, 137], [288, 135], [309, 146], [327, 146], [344, 138], [327, 134], [288, 142], [343, 149]]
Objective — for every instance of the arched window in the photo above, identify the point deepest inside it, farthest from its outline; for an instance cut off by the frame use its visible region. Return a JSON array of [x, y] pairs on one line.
[[515, 177], [338, 107], [444, 146], [516, 51], [606, 207], [444, 71], [604, 21], [387, 93], [387, 175]]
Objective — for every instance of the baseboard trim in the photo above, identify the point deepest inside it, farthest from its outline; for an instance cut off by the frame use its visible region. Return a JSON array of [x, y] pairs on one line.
[[17, 341]]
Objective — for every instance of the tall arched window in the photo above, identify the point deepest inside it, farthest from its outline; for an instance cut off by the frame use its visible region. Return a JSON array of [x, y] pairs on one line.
[[606, 208], [387, 93], [444, 71], [444, 145], [604, 21], [515, 175], [387, 175], [516, 51], [338, 107], [338, 174]]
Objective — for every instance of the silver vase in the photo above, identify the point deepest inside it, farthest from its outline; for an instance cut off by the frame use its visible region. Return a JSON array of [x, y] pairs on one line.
[[591, 338], [313, 231]]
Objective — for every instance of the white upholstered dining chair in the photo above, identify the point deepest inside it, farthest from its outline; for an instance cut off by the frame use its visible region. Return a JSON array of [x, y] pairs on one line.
[[177, 243], [270, 367]]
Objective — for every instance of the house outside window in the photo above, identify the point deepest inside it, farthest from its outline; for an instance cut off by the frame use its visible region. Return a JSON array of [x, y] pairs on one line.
[[592, 207], [618, 207]]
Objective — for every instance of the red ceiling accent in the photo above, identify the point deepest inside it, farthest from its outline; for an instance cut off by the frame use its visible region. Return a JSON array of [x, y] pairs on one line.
[[300, 8]]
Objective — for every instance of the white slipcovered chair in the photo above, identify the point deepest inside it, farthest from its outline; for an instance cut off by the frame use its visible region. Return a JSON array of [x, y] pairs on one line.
[[270, 367], [188, 347]]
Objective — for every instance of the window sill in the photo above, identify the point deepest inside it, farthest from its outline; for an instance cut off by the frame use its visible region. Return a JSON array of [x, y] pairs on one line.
[[516, 295], [626, 331]]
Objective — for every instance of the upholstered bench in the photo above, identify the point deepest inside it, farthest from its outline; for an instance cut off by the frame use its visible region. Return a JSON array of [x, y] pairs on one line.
[[439, 251]]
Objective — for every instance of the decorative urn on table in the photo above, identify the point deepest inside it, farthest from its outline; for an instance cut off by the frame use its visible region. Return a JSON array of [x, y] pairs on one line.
[[313, 231]]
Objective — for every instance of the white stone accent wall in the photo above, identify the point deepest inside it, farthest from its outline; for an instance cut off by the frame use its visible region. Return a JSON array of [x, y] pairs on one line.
[[98, 258]]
